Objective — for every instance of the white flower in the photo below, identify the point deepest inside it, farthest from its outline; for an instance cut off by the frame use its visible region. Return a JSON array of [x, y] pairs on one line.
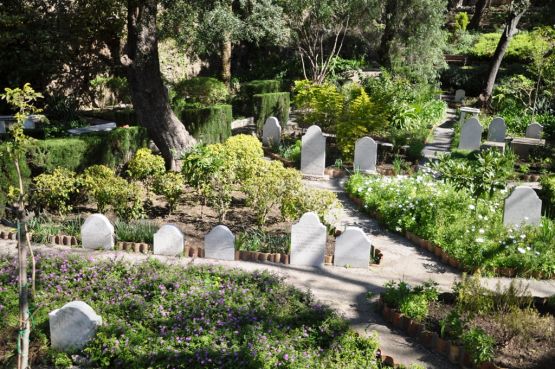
[[522, 236], [526, 218], [479, 240], [537, 253], [398, 229], [521, 250], [528, 248], [481, 230], [471, 207]]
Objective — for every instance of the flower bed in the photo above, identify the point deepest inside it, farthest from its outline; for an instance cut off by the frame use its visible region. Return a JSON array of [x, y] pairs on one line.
[[468, 230], [474, 326], [167, 316]]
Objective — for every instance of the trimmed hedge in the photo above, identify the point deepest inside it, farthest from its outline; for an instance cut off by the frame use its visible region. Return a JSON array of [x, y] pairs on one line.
[[272, 104], [209, 124], [113, 148], [245, 99]]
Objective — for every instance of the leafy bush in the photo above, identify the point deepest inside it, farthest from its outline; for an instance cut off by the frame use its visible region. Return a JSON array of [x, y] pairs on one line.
[[257, 240], [304, 199], [478, 344], [412, 302], [461, 21], [244, 151], [270, 104], [244, 103], [548, 194], [170, 185], [319, 104], [145, 165], [521, 48], [209, 124], [117, 88], [202, 90], [53, 192], [291, 152]]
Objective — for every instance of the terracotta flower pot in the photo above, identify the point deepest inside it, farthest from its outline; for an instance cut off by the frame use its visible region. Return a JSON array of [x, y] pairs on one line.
[[444, 257], [3, 235], [263, 256], [467, 360], [397, 317], [388, 360], [487, 365], [284, 258], [74, 241], [276, 257], [145, 247], [137, 247], [437, 251], [405, 322], [454, 352], [186, 251], [118, 246], [414, 328], [427, 338], [328, 259], [387, 313], [442, 346], [422, 243]]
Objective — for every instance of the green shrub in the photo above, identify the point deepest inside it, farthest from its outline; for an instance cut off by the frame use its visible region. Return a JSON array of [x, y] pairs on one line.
[[479, 345], [461, 21], [53, 192], [245, 151], [145, 165], [8, 176], [521, 48], [135, 231], [548, 195], [318, 104], [170, 185], [244, 103], [211, 124], [302, 199], [271, 104], [291, 152], [202, 90]]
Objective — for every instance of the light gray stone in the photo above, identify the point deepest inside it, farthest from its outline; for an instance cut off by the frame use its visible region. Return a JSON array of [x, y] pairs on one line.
[[219, 244], [459, 95], [271, 133], [366, 154], [522, 206], [468, 110], [97, 233], [352, 249], [72, 326], [308, 241], [534, 130], [169, 241], [313, 152], [30, 122], [2, 127], [471, 135], [104, 127], [497, 130], [523, 146]]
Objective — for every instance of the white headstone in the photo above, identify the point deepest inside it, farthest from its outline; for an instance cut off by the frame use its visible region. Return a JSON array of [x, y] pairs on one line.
[[522, 206], [366, 153], [471, 135], [219, 244], [97, 233], [352, 249], [534, 130], [2, 127], [168, 240], [497, 130], [313, 152], [459, 95], [308, 241], [29, 122], [72, 326], [271, 133]]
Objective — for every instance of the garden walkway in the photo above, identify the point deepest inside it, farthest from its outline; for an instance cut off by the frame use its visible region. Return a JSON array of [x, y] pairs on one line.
[[443, 135]]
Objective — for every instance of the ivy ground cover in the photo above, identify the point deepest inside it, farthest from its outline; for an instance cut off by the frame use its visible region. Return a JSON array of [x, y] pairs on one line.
[[468, 229], [158, 316]]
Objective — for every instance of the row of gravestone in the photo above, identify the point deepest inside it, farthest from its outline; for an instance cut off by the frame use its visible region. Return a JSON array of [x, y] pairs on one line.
[[471, 133], [313, 149], [308, 242]]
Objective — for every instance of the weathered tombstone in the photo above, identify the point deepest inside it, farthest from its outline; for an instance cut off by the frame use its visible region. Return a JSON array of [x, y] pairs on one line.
[[366, 153], [468, 110], [534, 130], [459, 95], [2, 127], [471, 135], [352, 249], [308, 241], [72, 326], [522, 206], [97, 233], [219, 244], [169, 241], [271, 133], [497, 130], [313, 152]]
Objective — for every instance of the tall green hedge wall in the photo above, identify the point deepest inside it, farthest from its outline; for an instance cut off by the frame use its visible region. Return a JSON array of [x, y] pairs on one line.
[[245, 101], [209, 124], [273, 104]]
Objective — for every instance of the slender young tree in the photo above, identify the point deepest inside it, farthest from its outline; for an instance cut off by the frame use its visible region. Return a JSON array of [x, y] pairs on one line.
[[149, 95], [516, 11], [479, 10]]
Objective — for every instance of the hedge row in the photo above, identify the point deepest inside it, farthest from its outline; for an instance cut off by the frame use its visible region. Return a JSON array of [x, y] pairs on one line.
[[272, 104], [244, 104], [209, 124]]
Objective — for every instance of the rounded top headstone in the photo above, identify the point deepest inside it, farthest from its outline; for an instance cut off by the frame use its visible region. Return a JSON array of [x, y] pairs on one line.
[[73, 325], [97, 232], [534, 130], [522, 206], [497, 130]]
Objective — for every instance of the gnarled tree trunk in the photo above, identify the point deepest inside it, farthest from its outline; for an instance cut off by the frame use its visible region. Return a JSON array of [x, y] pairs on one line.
[[478, 13], [150, 98]]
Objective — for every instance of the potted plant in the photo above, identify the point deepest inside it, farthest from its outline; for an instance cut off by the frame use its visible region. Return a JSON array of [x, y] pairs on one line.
[[479, 345]]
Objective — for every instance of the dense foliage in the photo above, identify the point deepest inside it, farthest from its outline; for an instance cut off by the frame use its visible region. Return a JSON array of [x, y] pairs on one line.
[[197, 317]]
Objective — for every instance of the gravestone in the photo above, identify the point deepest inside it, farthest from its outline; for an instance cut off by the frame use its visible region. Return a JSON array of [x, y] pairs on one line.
[[2, 127], [30, 122], [534, 130], [522, 206], [271, 133], [169, 241], [366, 153], [468, 110], [313, 152], [352, 249], [459, 95], [97, 233], [497, 130], [308, 241], [471, 135], [219, 244], [72, 326]]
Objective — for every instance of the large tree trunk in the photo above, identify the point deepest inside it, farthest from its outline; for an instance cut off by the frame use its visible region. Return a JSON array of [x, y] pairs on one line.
[[389, 32], [150, 97], [226, 61], [518, 8], [478, 13]]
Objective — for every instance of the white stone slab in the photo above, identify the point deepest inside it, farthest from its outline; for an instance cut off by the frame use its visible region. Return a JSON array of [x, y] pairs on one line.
[[471, 135], [169, 241], [105, 127], [271, 132], [352, 249], [534, 130], [97, 233], [366, 155], [72, 326], [313, 152], [522, 206], [308, 241], [219, 244], [497, 130], [459, 95]]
